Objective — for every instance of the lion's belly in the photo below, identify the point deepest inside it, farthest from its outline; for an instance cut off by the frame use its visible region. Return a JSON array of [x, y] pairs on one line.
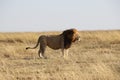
[[54, 43], [54, 47]]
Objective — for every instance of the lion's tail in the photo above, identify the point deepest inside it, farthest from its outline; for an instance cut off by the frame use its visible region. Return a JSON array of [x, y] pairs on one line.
[[35, 45]]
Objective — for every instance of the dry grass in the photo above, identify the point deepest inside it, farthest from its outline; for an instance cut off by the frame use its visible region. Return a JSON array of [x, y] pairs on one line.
[[96, 57]]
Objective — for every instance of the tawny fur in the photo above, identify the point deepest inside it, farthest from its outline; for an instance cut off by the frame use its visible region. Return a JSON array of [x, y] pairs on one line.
[[61, 41]]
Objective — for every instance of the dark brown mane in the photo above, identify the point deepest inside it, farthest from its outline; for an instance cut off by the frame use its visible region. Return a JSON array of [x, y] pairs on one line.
[[68, 38]]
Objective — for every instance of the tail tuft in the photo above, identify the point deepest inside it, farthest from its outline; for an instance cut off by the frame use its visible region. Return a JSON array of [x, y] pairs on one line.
[[27, 48]]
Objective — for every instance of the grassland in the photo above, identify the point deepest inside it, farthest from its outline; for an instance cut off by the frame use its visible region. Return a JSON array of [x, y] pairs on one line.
[[96, 57]]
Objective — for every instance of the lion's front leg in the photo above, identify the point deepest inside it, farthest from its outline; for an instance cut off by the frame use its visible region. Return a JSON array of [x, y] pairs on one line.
[[67, 50], [64, 52]]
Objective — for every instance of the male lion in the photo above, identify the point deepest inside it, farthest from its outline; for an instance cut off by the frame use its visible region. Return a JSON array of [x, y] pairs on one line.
[[62, 41]]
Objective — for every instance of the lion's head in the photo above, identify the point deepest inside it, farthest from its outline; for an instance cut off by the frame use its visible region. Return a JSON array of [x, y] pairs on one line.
[[70, 35]]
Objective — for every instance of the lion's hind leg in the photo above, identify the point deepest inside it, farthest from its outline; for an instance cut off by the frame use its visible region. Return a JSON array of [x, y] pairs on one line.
[[41, 51]]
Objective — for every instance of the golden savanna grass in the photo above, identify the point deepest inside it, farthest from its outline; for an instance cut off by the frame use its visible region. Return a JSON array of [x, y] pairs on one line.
[[95, 57]]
